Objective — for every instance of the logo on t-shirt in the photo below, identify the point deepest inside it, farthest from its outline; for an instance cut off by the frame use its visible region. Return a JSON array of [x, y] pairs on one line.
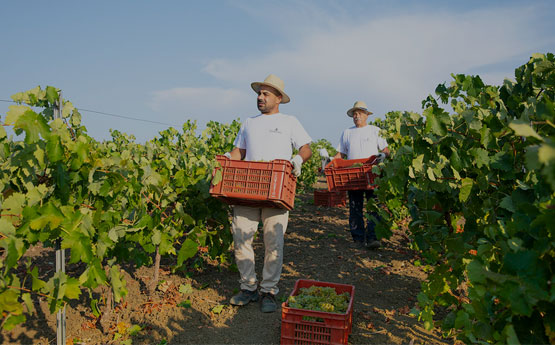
[[277, 131]]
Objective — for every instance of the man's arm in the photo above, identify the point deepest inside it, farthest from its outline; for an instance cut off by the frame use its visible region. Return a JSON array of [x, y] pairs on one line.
[[305, 152], [382, 155], [238, 154]]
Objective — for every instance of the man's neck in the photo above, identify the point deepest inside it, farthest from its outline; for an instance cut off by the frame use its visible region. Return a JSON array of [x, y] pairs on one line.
[[271, 112]]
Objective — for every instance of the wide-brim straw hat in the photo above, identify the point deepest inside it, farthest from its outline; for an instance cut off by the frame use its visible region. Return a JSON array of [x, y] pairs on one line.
[[275, 82], [358, 105]]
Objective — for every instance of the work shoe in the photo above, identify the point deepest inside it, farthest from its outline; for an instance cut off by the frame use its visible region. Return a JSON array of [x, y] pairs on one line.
[[268, 303], [373, 244], [244, 297], [356, 245]]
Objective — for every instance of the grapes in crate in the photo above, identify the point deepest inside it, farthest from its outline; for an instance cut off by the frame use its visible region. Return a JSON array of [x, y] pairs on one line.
[[320, 298]]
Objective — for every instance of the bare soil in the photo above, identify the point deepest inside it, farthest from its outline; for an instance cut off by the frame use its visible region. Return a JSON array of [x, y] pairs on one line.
[[317, 246]]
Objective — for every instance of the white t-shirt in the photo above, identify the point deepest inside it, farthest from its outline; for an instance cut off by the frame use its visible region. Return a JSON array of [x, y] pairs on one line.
[[361, 142], [268, 137]]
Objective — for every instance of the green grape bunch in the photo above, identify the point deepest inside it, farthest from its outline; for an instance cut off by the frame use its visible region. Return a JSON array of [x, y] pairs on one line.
[[320, 298]]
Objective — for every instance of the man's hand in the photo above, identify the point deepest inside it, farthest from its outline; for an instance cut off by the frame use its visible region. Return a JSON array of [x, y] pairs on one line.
[[228, 155], [297, 161], [325, 162]]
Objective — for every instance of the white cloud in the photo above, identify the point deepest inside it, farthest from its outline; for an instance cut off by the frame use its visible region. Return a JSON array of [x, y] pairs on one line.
[[393, 51], [391, 62], [396, 54]]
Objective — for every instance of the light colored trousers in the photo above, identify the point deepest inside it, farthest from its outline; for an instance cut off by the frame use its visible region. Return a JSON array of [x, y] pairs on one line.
[[244, 226]]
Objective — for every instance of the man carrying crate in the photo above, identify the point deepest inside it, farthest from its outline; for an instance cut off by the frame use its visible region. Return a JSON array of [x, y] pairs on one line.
[[361, 141], [267, 136]]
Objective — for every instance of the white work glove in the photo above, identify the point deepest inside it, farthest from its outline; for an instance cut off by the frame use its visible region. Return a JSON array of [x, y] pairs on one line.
[[380, 157], [297, 161], [228, 155], [325, 158], [326, 161]]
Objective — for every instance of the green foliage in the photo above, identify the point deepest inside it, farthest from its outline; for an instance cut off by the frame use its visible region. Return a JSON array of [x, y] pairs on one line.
[[108, 202], [478, 181], [311, 168]]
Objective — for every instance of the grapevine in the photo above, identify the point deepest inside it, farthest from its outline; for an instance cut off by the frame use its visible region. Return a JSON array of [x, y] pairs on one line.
[[478, 182], [108, 203], [310, 169]]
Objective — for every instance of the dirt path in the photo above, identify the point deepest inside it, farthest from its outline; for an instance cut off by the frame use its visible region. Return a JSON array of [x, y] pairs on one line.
[[316, 247]]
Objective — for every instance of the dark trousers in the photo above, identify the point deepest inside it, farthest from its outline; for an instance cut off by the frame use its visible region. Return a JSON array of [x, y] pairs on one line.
[[359, 232]]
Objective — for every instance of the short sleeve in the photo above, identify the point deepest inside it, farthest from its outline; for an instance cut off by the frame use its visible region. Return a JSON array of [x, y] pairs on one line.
[[299, 136], [382, 143], [240, 140], [342, 147]]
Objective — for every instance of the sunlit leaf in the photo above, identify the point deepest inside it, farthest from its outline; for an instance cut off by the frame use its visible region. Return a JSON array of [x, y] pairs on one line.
[[466, 188], [218, 309], [524, 129]]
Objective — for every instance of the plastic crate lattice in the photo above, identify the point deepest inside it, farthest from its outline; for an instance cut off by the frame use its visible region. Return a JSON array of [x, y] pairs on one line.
[[255, 184], [299, 326], [323, 197], [350, 174]]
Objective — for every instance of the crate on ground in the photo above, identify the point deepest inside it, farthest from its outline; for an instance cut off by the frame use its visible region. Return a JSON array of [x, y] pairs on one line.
[[350, 174], [255, 184], [300, 326], [323, 197]]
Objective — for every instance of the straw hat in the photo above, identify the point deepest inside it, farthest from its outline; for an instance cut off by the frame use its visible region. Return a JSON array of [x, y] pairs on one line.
[[358, 105], [272, 81]]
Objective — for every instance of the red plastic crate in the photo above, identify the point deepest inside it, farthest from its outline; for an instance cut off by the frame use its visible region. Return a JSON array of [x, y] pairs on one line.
[[323, 197], [342, 176], [255, 184], [333, 329]]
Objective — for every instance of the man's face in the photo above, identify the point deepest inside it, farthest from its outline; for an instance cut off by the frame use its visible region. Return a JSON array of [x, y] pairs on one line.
[[360, 117], [268, 100]]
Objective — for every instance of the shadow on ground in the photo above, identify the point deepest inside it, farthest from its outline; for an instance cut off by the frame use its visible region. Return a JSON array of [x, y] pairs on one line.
[[317, 246]]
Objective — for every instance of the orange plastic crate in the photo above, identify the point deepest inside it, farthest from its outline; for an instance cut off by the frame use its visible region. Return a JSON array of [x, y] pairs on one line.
[[323, 197], [332, 329], [255, 184], [342, 176]]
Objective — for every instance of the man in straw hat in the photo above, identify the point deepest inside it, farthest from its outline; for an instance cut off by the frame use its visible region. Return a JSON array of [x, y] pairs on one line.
[[267, 136], [361, 141]]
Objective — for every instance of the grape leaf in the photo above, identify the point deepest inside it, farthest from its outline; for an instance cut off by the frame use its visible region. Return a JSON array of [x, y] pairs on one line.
[[524, 129], [187, 251], [466, 188], [34, 126], [218, 309], [186, 289]]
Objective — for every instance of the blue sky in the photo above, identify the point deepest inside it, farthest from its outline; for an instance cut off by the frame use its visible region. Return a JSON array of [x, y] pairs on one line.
[[170, 61]]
